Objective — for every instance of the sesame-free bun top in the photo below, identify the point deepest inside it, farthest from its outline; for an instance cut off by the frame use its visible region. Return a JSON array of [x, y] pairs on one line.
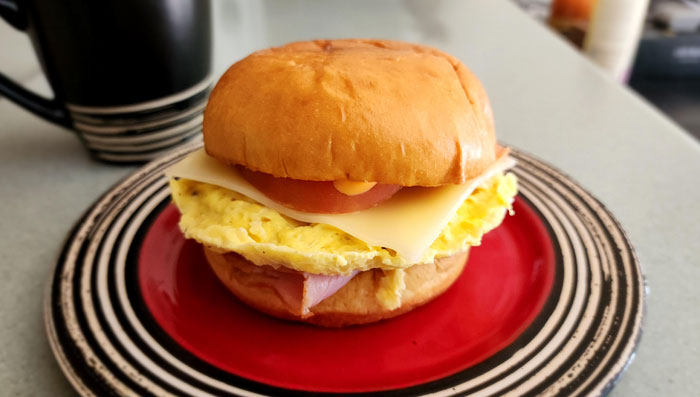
[[367, 110]]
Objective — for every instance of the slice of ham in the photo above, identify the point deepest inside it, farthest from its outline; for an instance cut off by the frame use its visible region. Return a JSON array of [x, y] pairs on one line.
[[299, 290], [318, 287]]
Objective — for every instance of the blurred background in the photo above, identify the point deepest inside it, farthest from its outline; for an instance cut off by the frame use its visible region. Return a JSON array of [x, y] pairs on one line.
[[653, 46]]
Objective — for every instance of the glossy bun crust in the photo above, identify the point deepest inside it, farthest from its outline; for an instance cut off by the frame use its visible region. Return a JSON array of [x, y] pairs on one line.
[[355, 303], [368, 110]]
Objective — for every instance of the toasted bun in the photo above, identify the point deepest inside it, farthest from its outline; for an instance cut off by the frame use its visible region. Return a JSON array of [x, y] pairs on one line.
[[355, 303], [367, 110]]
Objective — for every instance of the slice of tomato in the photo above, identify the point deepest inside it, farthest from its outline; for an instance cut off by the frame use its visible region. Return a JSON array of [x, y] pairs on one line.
[[313, 196]]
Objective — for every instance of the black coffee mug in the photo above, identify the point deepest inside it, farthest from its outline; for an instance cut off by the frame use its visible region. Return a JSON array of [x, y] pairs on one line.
[[130, 76]]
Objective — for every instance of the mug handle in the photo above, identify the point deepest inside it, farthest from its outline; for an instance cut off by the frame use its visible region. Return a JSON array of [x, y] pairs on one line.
[[49, 109]]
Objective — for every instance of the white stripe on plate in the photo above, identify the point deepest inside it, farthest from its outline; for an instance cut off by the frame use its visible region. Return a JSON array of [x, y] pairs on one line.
[[68, 308], [618, 239], [582, 244], [63, 361], [120, 271], [551, 351], [86, 291]]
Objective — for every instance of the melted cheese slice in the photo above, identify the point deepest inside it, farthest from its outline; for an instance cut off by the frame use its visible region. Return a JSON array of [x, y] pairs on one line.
[[407, 223]]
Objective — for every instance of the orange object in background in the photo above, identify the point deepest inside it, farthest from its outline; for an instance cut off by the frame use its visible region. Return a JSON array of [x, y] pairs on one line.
[[571, 18], [572, 9]]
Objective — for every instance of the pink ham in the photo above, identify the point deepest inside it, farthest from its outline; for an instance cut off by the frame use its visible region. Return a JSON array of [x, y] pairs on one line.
[[318, 287], [299, 290]]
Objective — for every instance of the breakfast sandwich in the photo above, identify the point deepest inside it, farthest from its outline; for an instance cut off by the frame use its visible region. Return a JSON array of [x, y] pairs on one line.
[[343, 181]]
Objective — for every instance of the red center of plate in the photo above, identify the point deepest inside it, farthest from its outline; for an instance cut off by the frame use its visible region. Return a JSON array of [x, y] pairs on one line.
[[502, 289]]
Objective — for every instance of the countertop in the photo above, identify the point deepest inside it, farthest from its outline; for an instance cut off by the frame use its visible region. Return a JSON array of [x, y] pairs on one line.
[[548, 101]]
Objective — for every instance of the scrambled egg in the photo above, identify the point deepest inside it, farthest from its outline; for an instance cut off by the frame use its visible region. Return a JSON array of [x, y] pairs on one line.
[[391, 287], [222, 218]]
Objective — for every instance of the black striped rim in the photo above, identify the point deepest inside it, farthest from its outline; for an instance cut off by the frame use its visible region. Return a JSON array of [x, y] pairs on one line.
[[107, 343]]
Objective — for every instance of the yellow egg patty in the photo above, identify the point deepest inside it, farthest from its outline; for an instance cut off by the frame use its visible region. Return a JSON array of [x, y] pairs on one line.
[[229, 221]]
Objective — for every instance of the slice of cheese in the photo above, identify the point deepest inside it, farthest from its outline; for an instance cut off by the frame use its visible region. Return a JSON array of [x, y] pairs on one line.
[[407, 223]]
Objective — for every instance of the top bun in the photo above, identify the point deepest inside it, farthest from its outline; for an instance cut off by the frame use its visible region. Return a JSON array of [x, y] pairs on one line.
[[367, 110]]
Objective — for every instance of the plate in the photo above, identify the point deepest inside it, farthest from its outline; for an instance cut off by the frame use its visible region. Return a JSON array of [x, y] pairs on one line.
[[550, 304]]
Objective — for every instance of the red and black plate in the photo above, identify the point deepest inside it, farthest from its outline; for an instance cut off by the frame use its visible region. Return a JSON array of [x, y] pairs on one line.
[[550, 304]]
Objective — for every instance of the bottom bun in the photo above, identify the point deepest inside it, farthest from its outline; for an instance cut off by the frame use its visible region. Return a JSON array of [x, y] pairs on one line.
[[355, 303]]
